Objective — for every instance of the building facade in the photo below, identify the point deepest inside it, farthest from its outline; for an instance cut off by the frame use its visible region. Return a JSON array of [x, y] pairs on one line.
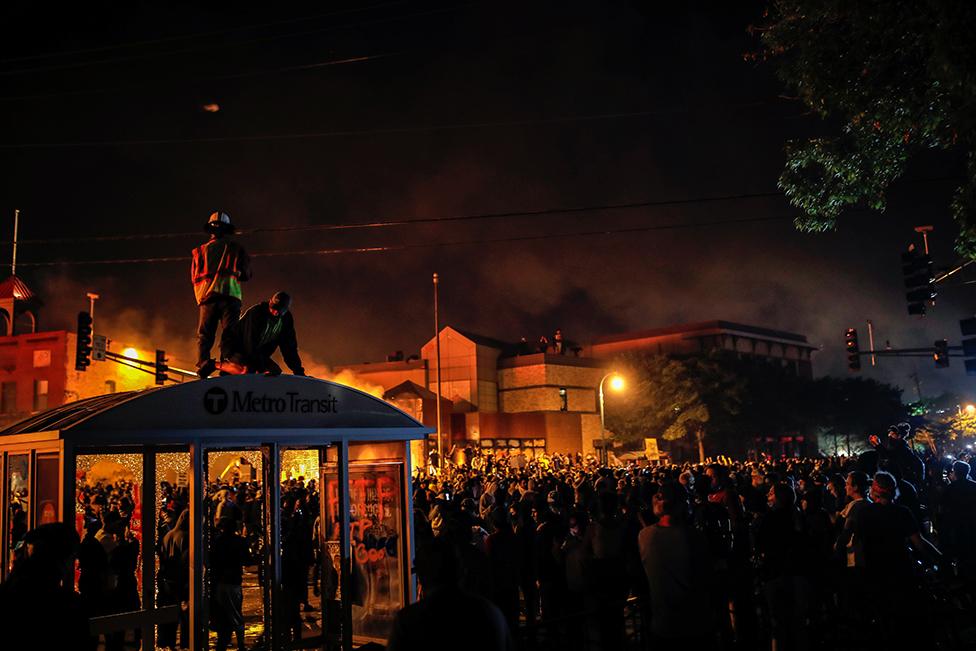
[[506, 396], [788, 349], [37, 368]]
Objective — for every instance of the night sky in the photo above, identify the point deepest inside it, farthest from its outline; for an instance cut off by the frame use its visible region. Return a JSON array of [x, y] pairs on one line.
[[457, 109]]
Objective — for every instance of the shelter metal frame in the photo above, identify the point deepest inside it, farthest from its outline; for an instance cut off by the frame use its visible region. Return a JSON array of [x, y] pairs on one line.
[[368, 420]]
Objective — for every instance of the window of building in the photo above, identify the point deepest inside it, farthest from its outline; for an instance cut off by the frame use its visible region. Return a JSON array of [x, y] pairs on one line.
[[42, 358], [529, 448], [8, 398], [109, 386], [40, 395], [563, 399]]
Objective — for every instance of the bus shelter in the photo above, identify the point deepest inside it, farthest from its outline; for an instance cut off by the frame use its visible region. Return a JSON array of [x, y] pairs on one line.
[[318, 474]]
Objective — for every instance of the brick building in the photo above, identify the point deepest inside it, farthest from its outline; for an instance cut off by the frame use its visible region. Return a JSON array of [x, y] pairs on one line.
[[786, 348], [498, 398], [37, 368], [508, 396]]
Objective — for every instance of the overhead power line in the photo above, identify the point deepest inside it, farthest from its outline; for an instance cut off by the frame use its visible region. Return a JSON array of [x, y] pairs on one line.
[[213, 46], [361, 132], [197, 80], [660, 203], [428, 245], [196, 35]]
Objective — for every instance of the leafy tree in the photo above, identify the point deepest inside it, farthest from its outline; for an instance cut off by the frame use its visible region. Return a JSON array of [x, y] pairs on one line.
[[845, 411], [672, 398], [730, 401], [891, 79]]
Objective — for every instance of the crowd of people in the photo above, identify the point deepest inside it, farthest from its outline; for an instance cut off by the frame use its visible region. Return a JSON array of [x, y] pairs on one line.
[[108, 551], [798, 553], [560, 551]]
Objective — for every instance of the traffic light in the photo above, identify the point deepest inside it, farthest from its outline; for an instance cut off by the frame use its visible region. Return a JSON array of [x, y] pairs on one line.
[[161, 367], [968, 328], [83, 347], [919, 288], [853, 350], [941, 354]]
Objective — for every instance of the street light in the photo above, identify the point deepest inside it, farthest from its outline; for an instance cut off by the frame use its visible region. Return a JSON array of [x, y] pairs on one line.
[[617, 384], [970, 409]]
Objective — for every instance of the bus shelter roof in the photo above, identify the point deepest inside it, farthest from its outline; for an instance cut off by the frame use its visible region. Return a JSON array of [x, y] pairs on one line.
[[244, 407]]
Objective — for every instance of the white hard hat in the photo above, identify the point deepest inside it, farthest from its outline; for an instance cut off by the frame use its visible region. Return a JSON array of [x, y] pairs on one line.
[[219, 220]]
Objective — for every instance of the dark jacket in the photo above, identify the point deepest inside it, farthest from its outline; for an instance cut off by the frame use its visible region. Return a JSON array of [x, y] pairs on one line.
[[256, 336], [899, 459], [218, 268]]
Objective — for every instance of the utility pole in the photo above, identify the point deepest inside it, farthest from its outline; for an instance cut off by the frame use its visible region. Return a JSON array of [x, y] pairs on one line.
[[13, 262], [925, 230], [918, 385], [874, 360], [92, 297], [437, 346]]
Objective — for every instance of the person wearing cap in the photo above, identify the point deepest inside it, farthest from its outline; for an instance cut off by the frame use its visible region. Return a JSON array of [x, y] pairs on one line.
[[896, 455], [247, 345], [217, 269]]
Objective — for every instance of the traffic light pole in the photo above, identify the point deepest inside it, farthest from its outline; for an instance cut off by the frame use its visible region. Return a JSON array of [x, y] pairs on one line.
[[908, 352], [148, 367]]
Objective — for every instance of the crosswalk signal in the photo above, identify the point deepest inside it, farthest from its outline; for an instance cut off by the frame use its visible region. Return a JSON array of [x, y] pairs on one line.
[[853, 350], [919, 277], [968, 328], [83, 345], [941, 354], [161, 367]]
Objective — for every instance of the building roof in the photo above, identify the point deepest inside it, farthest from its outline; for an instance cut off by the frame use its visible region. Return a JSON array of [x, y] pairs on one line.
[[708, 327], [482, 340], [410, 388], [14, 287], [68, 414], [552, 359]]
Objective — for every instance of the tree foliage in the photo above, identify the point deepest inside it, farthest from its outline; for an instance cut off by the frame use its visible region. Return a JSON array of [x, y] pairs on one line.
[[891, 79], [672, 398], [732, 401]]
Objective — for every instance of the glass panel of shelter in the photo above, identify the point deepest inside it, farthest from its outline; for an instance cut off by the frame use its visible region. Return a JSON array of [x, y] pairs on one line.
[[172, 558], [108, 518], [237, 599], [377, 585], [301, 554], [17, 481]]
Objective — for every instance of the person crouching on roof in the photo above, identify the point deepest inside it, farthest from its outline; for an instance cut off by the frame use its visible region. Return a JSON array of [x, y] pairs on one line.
[[247, 346]]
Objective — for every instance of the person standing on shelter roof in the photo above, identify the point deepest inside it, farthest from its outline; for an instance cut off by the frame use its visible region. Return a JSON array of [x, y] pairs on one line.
[[218, 268]]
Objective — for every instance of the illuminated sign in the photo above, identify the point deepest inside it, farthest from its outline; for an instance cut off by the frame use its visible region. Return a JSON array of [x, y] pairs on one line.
[[217, 401]]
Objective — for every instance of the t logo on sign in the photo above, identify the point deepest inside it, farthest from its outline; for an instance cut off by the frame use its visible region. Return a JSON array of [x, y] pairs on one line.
[[215, 401]]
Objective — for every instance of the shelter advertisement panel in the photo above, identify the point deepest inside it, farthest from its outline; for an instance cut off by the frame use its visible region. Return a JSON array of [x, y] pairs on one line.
[[376, 537]]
